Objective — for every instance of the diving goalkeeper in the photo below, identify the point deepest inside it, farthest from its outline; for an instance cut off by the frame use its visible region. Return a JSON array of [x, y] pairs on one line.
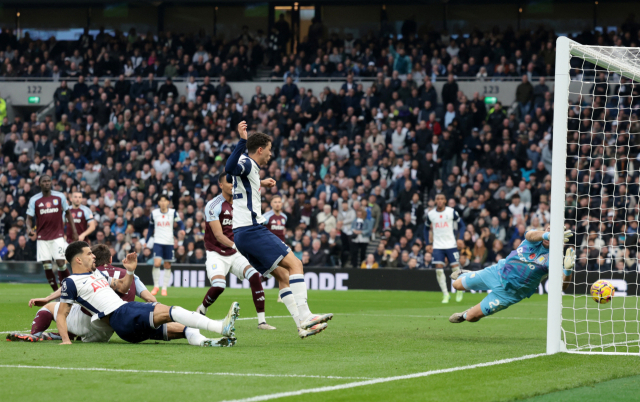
[[512, 279]]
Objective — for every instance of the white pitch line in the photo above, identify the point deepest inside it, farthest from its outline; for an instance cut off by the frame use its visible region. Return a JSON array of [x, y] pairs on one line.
[[328, 377], [381, 380]]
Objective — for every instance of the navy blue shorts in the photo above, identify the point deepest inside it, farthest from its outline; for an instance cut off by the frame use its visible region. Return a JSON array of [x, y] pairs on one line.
[[452, 255], [164, 251], [133, 322], [263, 249]]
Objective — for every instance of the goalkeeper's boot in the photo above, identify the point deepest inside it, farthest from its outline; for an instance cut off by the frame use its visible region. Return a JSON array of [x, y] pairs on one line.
[[17, 337], [155, 291], [201, 310], [445, 298], [225, 342], [264, 325], [315, 319], [316, 329], [228, 325], [457, 318], [459, 295], [456, 274]]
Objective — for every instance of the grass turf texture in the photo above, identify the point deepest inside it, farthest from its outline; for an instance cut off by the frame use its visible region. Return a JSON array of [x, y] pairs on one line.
[[374, 334]]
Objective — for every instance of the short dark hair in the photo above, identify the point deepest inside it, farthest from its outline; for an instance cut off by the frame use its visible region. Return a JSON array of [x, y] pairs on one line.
[[223, 175], [74, 249], [161, 196], [257, 140], [102, 253]]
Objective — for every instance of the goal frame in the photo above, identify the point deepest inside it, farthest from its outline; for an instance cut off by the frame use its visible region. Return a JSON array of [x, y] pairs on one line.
[[565, 48]]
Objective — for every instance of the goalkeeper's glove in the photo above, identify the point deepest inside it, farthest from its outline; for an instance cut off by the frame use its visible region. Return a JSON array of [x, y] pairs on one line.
[[567, 235], [569, 261]]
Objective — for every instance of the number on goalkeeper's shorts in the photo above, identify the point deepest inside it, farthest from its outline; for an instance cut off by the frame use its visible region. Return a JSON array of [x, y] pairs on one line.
[[494, 304]]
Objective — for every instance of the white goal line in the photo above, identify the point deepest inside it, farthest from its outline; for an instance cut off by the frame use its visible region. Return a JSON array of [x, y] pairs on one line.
[[324, 377], [381, 380]]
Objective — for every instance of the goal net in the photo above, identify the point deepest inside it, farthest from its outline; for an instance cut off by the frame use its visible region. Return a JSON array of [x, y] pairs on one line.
[[596, 142]]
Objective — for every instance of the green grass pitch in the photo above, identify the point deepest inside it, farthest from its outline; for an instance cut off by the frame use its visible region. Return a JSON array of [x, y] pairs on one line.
[[374, 334]]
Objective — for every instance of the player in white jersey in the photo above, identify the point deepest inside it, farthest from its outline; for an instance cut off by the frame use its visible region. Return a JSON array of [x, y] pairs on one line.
[[134, 321], [264, 250], [161, 226], [440, 220]]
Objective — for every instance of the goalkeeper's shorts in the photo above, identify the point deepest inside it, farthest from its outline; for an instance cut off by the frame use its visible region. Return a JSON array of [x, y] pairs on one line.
[[489, 279]]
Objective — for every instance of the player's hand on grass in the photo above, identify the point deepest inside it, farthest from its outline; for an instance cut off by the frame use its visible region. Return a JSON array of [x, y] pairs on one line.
[[268, 183], [569, 260], [131, 262], [242, 129]]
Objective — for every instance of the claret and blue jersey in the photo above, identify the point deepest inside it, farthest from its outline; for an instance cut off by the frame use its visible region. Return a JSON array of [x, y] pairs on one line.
[[263, 249]]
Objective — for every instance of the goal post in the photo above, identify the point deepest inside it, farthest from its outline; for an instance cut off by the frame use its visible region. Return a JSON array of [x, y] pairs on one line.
[[595, 186]]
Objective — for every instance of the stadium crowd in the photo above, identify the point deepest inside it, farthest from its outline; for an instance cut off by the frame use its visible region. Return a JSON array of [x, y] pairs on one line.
[[353, 166]]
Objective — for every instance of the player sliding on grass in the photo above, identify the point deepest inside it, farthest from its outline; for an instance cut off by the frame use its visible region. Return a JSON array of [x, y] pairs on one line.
[[79, 322], [133, 322], [264, 250], [512, 279], [222, 256]]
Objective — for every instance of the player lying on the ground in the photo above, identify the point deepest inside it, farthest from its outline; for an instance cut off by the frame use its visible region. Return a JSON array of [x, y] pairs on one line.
[[79, 324], [134, 321], [263, 249], [161, 226], [222, 256], [512, 279]]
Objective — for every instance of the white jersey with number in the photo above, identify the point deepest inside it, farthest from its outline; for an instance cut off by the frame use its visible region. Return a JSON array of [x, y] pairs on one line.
[[93, 292], [443, 230], [247, 202], [163, 225]]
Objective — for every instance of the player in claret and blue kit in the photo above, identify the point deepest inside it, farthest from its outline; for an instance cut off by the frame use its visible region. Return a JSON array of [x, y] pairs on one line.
[[512, 279], [134, 321], [264, 250]]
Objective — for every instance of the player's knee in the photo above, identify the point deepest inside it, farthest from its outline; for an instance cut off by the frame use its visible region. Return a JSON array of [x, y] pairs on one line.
[[250, 272], [220, 283], [47, 265], [62, 265], [457, 284]]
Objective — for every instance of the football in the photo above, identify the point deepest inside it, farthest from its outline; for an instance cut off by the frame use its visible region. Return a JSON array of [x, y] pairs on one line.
[[602, 291]]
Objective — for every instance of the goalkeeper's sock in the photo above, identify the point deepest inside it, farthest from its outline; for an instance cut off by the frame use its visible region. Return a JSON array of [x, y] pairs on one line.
[[299, 290], [464, 316], [155, 272], [194, 320], [194, 337], [442, 281], [167, 278], [290, 302]]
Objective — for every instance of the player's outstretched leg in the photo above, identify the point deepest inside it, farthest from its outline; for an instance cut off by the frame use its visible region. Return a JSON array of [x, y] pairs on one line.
[[51, 277], [164, 314], [472, 315], [442, 281], [218, 284], [195, 338], [299, 290], [257, 292]]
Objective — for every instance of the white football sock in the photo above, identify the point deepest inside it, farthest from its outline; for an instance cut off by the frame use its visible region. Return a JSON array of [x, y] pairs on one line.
[[156, 276], [194, 336], [167, 278], [194, 320], [287, 298], [442, 281], [261, 318], [299, 289]]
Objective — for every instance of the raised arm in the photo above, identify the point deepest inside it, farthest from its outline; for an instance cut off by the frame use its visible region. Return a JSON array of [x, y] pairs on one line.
[[232, 167], [540, 235], [122, 285]]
